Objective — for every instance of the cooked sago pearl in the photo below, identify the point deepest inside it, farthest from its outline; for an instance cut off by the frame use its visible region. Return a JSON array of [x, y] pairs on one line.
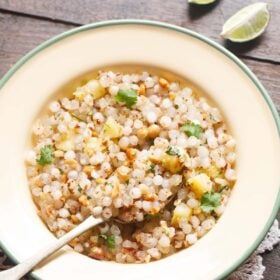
[[165, 121], [230, 144], [55, 172], [147, 205], [97, 158], [202, 151], [135, 193], [63, 213], [157, 180], [127, 130], [98, 117], [78, 248], [164, 241], [118, 203], [133, 140], [208, 224], [54, 106], [182, 142], [220, 162], [138, 204], [191, 238], [107, 213], [194, 221], [73, 174], [115, 230], [230, 174], [212, 142], [30, 157], [69, 155], [151, 117], [149, 82], [192, 203], [166, 103], [231, 157], [97, 210], [193, 142], [94, 174], [113, 89], [107, 201], [138, 124]]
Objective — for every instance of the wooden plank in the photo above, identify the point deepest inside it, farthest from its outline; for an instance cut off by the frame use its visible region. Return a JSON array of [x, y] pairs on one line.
[[22, 34], [205, 20]]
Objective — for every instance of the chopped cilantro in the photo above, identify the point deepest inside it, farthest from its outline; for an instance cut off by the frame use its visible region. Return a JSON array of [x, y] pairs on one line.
[[110, 240], [128, 96], [153, 168], [78, 118], [46, 155], [192, 129], [223, 189], [210, 201], [148, 217], [172, 151]]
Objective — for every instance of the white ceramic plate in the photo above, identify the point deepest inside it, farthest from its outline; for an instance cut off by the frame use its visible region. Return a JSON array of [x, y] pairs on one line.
[[254, 122]]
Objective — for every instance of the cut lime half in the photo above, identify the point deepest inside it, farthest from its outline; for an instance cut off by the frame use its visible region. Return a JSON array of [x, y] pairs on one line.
[[201, 2], [247, 24]]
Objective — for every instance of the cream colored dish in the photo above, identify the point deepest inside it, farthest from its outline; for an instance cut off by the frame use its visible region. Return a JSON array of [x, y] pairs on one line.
[[249, 113]]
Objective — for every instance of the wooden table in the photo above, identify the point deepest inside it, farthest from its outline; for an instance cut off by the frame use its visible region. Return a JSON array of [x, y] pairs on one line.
[[26, 23]]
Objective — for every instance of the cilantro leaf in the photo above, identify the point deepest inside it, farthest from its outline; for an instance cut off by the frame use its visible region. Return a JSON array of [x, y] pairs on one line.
[[148, 217], [128, 96], [210, 201], [172, 151], [110, 240], [192, 129], [46, 155], [153, 168], [78, 118]]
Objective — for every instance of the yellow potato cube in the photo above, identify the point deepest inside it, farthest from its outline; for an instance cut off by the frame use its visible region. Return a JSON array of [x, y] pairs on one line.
[[65, 145], [171, 163], [112, 129], [182, 211], [200, 184], [93, 88], [93, 145]]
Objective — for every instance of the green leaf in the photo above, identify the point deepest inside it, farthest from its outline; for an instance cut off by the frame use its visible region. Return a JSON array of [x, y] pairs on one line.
[[210, 201], [127, 96], [172, 151], [110, 240], [148, 217], [78, 118], [153, 168], [192, 129], [224, 188], [46, 155]]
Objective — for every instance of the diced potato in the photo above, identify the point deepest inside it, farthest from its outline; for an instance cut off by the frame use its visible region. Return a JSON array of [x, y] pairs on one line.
[[93, 88], [65, 145], [112, 129], [182, 211], [213, 171], [171, 163], [93, 145], [200, 184]]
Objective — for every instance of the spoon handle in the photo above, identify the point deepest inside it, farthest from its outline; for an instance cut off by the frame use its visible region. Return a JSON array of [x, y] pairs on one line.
[[23, 268]]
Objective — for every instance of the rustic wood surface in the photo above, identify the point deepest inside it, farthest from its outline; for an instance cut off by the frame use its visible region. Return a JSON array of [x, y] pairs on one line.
[[26, 23]]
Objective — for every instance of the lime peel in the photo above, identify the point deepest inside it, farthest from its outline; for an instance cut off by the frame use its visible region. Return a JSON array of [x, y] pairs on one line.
[[247, 24], [201, 2]]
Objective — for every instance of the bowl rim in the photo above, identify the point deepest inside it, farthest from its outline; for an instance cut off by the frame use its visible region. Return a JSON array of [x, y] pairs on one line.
[[188, 32]]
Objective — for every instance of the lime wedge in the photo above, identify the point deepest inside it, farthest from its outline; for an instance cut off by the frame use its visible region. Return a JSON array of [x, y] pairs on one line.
[[201, 2], [247, 24]]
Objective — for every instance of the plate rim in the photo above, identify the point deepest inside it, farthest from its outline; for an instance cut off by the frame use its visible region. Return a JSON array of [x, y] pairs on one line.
[[193, 34]]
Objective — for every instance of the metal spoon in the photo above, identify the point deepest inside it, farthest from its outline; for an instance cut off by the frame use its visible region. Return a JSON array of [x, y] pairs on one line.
[[23, 268]]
